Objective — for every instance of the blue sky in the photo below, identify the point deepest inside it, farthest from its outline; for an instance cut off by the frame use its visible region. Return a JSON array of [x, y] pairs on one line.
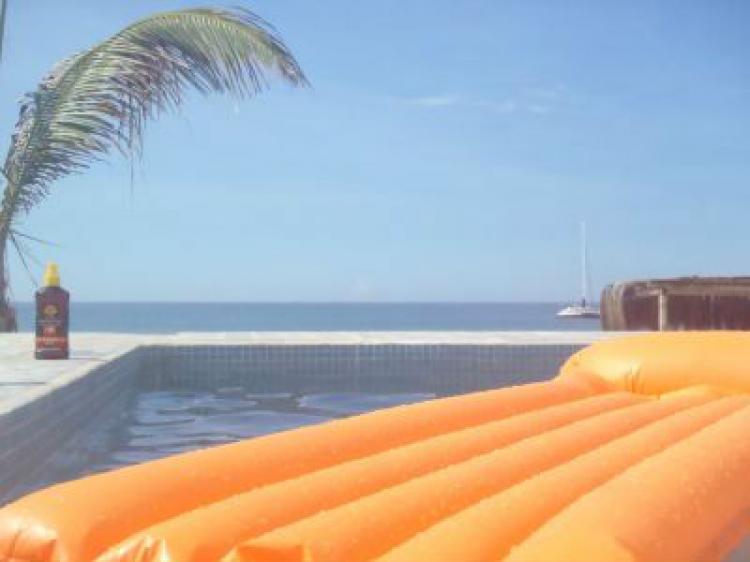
[[447, 151]]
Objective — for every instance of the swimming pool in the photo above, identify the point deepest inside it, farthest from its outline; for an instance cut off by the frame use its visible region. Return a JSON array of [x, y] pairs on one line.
[[157, 400]]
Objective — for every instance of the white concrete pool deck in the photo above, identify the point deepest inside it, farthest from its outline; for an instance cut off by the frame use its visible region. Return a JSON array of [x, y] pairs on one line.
[[23, 378]]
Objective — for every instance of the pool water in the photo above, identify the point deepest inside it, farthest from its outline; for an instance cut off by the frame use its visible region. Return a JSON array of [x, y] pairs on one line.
[[165, 422]]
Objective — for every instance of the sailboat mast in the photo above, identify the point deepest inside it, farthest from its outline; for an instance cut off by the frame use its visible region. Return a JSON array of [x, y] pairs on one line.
[[584, 265]]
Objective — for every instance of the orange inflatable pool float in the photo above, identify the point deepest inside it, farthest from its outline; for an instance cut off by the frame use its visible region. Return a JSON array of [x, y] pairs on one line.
[[638, 451]]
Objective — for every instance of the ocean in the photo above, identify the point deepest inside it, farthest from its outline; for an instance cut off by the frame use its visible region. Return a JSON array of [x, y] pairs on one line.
[[233, 317]]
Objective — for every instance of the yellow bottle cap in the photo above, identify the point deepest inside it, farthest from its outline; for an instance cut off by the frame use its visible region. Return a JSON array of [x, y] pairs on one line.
[[51, 275]]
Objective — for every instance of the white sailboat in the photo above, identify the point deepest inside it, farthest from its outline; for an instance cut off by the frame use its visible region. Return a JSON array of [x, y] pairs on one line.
[[581, 309]]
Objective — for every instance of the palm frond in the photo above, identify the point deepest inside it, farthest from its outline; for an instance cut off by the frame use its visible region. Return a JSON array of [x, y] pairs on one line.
[[24, 254], [100, 99]]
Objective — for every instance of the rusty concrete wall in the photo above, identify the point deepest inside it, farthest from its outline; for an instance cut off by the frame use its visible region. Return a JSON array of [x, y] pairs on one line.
[[692, 303]]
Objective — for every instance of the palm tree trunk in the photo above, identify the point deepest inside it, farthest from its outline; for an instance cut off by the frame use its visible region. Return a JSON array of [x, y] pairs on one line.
[[3, 9], [8, 321]]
